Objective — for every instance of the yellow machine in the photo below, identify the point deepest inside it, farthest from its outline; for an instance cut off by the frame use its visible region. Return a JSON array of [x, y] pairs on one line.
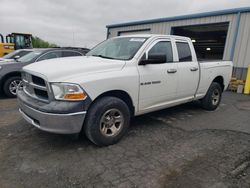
[[5, 48], [14, 41]]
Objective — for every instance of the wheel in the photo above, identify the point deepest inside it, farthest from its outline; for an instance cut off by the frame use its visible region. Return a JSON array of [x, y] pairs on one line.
[[11, 85], [107, 121], [213, 97]]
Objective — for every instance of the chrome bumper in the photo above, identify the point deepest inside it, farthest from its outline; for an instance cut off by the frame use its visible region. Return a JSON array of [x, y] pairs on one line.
[[56, 123]]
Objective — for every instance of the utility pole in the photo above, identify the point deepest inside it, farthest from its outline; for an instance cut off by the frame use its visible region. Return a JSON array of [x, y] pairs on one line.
[[73, 39]]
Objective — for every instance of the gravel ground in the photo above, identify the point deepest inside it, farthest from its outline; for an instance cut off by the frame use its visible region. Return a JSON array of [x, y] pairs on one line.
[[183, 146]]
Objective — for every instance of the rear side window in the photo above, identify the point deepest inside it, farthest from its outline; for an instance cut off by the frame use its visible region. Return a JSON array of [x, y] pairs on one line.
[[22, 53], [70, 54], [50, 55], [163, 47], [184, 51]]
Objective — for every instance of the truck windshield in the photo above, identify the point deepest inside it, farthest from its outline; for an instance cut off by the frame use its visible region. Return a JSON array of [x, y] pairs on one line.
[[123, 48]]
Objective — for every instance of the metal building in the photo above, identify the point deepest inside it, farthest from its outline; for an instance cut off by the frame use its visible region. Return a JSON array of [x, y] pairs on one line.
[[221, 34]]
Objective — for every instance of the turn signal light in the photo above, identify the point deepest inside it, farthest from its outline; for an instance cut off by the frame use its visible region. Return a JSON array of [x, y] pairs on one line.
[[75, 96]]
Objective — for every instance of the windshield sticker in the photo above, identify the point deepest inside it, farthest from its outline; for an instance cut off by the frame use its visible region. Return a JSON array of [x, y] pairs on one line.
[[137, 40]]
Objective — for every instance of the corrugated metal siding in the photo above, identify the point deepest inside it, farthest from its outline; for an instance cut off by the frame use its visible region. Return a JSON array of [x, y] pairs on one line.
[[242, 50], [165, 28]]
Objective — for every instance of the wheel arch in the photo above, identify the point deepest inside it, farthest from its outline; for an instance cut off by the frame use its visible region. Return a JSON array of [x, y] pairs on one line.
[[7, 76], [123, 95], [219, 80]]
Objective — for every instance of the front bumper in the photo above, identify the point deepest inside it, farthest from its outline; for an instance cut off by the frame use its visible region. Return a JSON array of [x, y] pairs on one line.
[[62, 123]]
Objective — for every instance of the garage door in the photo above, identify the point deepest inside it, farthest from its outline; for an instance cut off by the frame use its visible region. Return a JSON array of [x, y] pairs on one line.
[[208, 39]]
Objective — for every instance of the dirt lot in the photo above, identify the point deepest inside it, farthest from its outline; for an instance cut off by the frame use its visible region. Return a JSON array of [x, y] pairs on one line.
[[183, 146]]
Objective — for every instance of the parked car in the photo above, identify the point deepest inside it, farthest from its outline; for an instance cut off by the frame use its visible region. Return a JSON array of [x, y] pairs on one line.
[[10, 72], [15, 55], [122, 77]]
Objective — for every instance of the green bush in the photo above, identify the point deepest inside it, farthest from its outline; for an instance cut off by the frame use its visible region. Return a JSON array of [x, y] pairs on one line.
[[40, 43]]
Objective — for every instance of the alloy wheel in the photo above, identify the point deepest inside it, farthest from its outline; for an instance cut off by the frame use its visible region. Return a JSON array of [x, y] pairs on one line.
[[111, 122], [14, 86]]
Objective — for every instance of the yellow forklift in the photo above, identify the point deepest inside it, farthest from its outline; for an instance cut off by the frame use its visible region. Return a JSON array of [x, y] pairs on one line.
[[14, 41]]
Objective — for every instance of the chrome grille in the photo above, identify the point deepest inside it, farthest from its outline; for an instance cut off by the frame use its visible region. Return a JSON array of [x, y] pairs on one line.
[[35, 87]]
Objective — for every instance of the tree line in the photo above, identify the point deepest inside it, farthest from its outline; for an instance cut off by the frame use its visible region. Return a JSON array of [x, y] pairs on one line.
[[40, 43]]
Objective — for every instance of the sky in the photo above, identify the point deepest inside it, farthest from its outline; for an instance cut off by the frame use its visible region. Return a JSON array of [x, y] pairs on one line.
[[83, 23]]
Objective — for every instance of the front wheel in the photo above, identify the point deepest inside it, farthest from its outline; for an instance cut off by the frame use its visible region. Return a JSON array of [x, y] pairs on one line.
[[107, 121], [11, 86], [213, 97]]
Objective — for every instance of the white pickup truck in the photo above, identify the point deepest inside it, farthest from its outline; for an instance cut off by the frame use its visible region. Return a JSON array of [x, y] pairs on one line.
[[119, 78]]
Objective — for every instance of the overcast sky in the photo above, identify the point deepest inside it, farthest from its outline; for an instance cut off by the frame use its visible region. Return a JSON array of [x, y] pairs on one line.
[[83, 23]]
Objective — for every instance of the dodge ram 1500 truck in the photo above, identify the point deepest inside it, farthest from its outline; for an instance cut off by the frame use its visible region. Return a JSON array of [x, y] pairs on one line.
[[119, 78]]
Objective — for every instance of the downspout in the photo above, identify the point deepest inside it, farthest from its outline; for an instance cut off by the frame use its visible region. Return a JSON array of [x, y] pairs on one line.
[[236, 32], [107, 33]]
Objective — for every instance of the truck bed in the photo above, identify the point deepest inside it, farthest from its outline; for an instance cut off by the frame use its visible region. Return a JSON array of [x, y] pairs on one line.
[[210, 70]]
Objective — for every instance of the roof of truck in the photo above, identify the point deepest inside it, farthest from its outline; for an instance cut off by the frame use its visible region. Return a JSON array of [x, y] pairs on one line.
[[154, 35]]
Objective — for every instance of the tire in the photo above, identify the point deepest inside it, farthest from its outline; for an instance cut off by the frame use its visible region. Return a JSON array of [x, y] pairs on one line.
[[213, 97], [12, 82], [107, 121]]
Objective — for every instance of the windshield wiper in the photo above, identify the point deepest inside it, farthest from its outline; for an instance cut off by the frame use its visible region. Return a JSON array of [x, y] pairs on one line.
[[102, 56]]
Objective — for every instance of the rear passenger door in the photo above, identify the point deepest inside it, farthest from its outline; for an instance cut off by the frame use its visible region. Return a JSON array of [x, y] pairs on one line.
[[188, 71]]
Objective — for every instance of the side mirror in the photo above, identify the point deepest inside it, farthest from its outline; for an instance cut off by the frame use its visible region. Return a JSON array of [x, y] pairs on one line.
[[16, 57], [153, 59]]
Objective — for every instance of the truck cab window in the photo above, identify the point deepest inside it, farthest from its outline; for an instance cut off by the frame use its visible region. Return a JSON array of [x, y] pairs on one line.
[[163, 47], [20, 42], [184, 51]]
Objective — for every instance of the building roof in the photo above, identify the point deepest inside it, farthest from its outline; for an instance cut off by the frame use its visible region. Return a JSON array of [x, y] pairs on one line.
[[182, 17]]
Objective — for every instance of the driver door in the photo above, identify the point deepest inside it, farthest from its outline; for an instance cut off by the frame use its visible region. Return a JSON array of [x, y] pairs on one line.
[[158, 81]]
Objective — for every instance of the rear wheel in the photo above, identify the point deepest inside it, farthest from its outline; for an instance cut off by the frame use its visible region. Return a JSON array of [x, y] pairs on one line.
[[213, 97], [11, 86], [107, 121]]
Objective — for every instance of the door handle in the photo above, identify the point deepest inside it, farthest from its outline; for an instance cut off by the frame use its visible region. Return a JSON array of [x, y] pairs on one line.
[[194, 69], [171, 71]]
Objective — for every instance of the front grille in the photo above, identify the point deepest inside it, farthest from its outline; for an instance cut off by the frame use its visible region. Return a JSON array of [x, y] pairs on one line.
[[41, 94], [35, 87], [39, 81]]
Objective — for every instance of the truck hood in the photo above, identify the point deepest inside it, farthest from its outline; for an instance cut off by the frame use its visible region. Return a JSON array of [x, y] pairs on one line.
[[58, 70]]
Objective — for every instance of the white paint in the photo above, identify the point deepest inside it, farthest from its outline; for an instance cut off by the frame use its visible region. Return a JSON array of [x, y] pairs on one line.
[[98, 75]]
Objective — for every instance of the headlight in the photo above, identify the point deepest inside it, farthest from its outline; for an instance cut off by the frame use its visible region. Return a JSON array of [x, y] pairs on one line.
[[66, 91]]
